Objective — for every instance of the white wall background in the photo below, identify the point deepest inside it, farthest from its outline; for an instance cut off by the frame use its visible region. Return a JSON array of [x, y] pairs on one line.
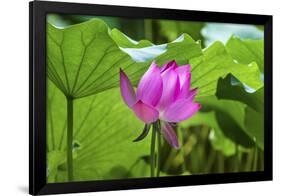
[[14, 95]]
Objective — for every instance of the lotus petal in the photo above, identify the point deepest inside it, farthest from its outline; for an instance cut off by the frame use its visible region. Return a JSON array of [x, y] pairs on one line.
[[171, 88], [184, 89], [180, 110], [169, 134], [184, 73], [150, 86], [145, 112], [127, 90]]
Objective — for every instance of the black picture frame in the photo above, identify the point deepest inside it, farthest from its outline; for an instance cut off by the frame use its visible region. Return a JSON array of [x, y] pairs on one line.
[[37, 97]]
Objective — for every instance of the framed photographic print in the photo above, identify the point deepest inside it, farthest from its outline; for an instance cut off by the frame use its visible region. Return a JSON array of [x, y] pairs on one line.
[[130, 97]]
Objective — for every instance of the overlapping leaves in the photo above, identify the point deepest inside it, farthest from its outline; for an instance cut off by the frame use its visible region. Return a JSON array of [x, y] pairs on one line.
[[235, 113]]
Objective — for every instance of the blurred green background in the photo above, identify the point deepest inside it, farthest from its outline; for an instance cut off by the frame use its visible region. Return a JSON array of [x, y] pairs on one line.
[[206, 145], [162, 31]]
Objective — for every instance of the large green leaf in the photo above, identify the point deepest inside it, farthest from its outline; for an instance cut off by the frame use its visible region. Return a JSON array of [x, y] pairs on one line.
[[254, 111], [104, 130], [55, 159], [85, 59], [227, 90], [246, 51], [215, 63], [249, 75], [207, 69]]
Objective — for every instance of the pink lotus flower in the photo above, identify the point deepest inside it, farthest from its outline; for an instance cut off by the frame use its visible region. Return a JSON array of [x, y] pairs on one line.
[[162, 94]]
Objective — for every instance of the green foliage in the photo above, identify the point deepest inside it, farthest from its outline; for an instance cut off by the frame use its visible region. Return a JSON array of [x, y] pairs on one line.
[[230, 116], [84, 60], [144, 50], [246, 51], [83, 63], [208, 68], [103, 136], [218, 139], [253, 111]]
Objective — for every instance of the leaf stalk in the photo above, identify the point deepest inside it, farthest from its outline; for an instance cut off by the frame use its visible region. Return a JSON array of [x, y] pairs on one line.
[[152, 150], [69, 138]]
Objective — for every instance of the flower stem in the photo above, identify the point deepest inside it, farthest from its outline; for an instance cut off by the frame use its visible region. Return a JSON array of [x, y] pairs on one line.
[[237, 168], [159, 151], [152, 150], [69, 138], [255, 159]]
